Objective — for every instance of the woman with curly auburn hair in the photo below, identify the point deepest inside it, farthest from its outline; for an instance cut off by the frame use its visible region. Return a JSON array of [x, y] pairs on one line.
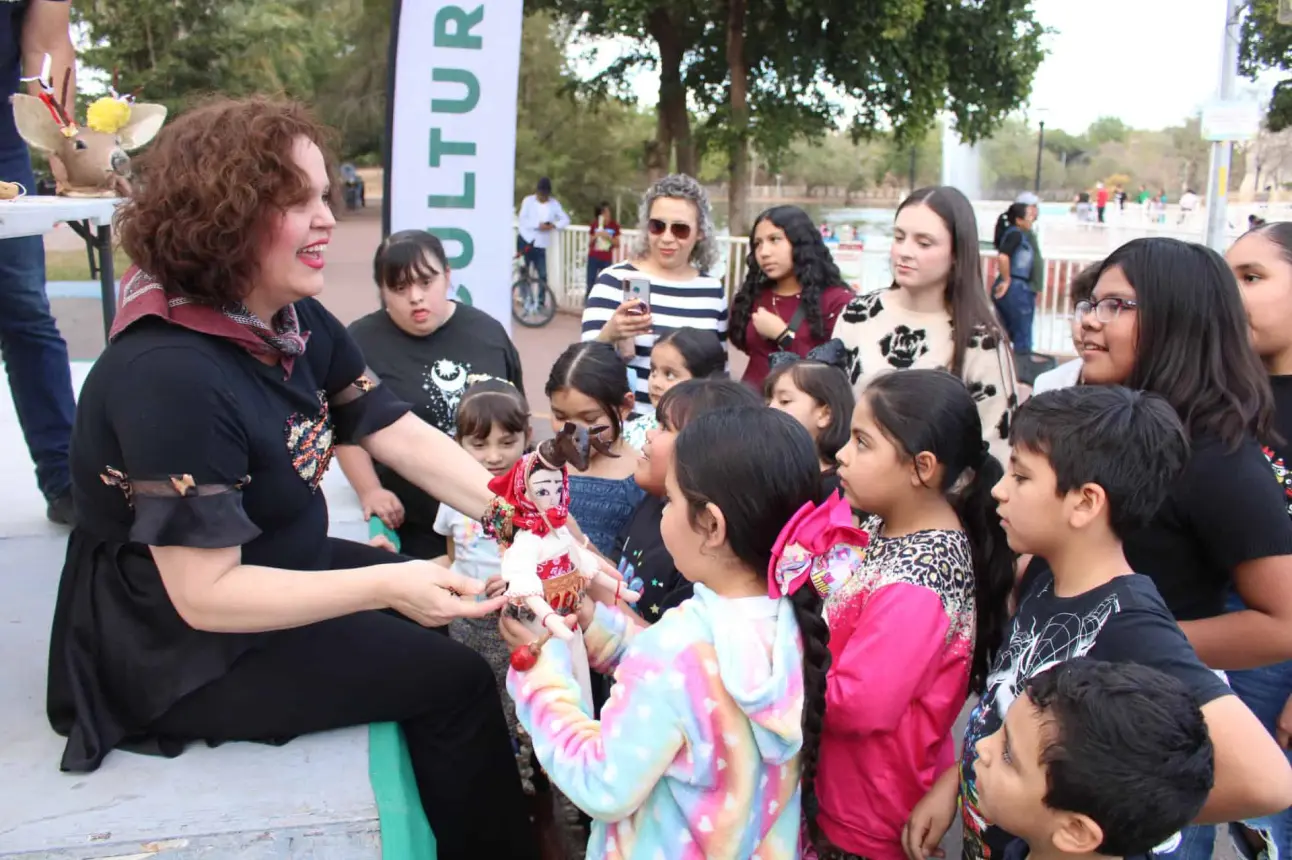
[[201, 597], [792, 293]]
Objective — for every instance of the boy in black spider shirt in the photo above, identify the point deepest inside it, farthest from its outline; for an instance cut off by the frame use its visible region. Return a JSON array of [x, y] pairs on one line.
[[1094, 758], [644, 563], [1089, 465]]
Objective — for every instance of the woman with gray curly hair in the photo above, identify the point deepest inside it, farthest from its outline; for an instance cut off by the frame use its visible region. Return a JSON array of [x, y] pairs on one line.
[[674, 254]]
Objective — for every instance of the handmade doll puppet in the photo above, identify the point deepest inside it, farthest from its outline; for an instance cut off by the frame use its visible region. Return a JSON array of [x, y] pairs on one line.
[[546, 570]]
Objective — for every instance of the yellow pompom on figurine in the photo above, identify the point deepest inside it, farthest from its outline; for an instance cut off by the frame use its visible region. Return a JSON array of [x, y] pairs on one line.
[[89, 160], [108, 115]]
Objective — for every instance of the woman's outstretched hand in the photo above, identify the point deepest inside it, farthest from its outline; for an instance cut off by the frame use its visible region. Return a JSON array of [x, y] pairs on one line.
[[433, 596]]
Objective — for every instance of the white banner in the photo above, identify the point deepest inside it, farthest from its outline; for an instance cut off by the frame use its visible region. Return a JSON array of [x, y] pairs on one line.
[[451, 135]]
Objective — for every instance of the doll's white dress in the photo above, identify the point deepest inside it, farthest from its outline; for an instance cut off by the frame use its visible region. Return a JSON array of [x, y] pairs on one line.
[[532, 561]]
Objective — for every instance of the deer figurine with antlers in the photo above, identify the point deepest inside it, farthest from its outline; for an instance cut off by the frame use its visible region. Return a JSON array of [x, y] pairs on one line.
[[87, 160]]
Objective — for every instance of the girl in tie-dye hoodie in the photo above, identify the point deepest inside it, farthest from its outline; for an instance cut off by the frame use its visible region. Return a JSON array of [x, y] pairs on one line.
[[701, 747]]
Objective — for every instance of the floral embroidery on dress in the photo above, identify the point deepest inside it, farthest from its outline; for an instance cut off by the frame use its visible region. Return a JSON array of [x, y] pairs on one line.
[[309, 442], [1282, 474]]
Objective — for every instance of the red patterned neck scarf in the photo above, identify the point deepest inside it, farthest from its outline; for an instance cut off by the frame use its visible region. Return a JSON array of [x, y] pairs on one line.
[[513, 487], [142, 295]]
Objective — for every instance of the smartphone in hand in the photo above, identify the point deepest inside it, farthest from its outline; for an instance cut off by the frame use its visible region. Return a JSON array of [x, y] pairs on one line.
[[637, 289]]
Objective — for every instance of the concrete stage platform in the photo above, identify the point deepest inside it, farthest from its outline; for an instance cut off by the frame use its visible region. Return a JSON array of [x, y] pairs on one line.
[[309, 798]]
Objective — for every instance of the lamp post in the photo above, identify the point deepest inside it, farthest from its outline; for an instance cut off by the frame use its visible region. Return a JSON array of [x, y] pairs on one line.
[[1040, 149]]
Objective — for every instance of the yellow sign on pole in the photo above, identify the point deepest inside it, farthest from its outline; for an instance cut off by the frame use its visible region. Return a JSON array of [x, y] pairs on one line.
[[1285, 12]]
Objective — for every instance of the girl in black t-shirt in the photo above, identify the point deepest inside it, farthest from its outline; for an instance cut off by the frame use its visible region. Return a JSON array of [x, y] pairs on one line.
[[644, 562], [429, 345], [1165, 316], [1262, 263]]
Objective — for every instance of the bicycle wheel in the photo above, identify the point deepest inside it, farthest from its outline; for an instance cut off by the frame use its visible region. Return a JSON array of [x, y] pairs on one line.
[[532, 304]]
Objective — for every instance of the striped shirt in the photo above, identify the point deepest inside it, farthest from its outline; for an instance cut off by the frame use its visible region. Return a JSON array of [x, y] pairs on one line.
[[698, 303]]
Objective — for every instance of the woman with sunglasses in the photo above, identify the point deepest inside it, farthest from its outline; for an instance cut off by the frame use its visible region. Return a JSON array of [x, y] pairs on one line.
[[1166, 316], [674, 252]]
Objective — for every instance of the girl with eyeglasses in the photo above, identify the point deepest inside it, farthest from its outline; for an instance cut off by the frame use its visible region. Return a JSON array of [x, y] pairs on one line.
[[675, 252], [1166, 316]]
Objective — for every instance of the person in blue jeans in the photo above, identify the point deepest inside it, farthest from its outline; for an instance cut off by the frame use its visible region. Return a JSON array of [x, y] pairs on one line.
[[1015, 298], [34, 352]]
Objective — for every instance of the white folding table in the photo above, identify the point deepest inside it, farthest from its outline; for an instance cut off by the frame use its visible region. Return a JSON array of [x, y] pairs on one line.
[[89, 217]]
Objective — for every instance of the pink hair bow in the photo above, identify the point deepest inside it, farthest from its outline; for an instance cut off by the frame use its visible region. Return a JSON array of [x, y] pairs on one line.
[[819, 543]]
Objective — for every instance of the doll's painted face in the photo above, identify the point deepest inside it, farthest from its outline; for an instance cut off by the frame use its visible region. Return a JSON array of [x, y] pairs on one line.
[[545, 489]]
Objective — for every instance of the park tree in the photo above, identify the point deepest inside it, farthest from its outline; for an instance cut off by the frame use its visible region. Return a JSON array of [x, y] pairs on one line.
[[1107, 129], [176, 51], [1267, 45], [663, 33], [765, 73], [591, 148]]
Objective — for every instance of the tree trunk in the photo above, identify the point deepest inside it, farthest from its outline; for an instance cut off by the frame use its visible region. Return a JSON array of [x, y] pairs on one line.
[[658, 150], [738, 195], [679, 123], [673, 129]]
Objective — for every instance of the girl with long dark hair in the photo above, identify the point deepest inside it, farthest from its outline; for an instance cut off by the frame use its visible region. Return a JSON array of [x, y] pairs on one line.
[[914, 629], [1262, 262], [936, 313], [1166, 317], [588, 386], [711, 735], [792, 293]]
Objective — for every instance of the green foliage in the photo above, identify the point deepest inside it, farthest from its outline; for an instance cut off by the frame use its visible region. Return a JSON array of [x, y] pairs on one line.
[[1266, 44], [1172, 158], [177, 51], [1066, 147], [1107, 129], [591, 149]]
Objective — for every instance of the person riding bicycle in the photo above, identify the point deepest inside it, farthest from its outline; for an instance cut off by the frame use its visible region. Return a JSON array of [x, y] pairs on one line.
[[540, 215]]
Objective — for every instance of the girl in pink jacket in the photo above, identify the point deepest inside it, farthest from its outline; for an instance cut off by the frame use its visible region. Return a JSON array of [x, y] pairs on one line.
[[912, 629]]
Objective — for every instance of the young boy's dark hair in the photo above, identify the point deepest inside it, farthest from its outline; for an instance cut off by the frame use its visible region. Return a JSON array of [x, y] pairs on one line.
[[1130, 443], [1082, 286], [1124, 745]]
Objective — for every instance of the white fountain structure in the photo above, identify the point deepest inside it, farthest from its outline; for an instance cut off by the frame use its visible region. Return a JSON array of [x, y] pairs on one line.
[[960, 163]]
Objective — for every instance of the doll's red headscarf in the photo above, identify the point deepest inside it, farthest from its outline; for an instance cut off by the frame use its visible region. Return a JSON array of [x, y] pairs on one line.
[[513, 488]]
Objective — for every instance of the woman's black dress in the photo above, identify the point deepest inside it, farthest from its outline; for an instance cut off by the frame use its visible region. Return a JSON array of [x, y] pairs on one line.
[[183, 439]]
